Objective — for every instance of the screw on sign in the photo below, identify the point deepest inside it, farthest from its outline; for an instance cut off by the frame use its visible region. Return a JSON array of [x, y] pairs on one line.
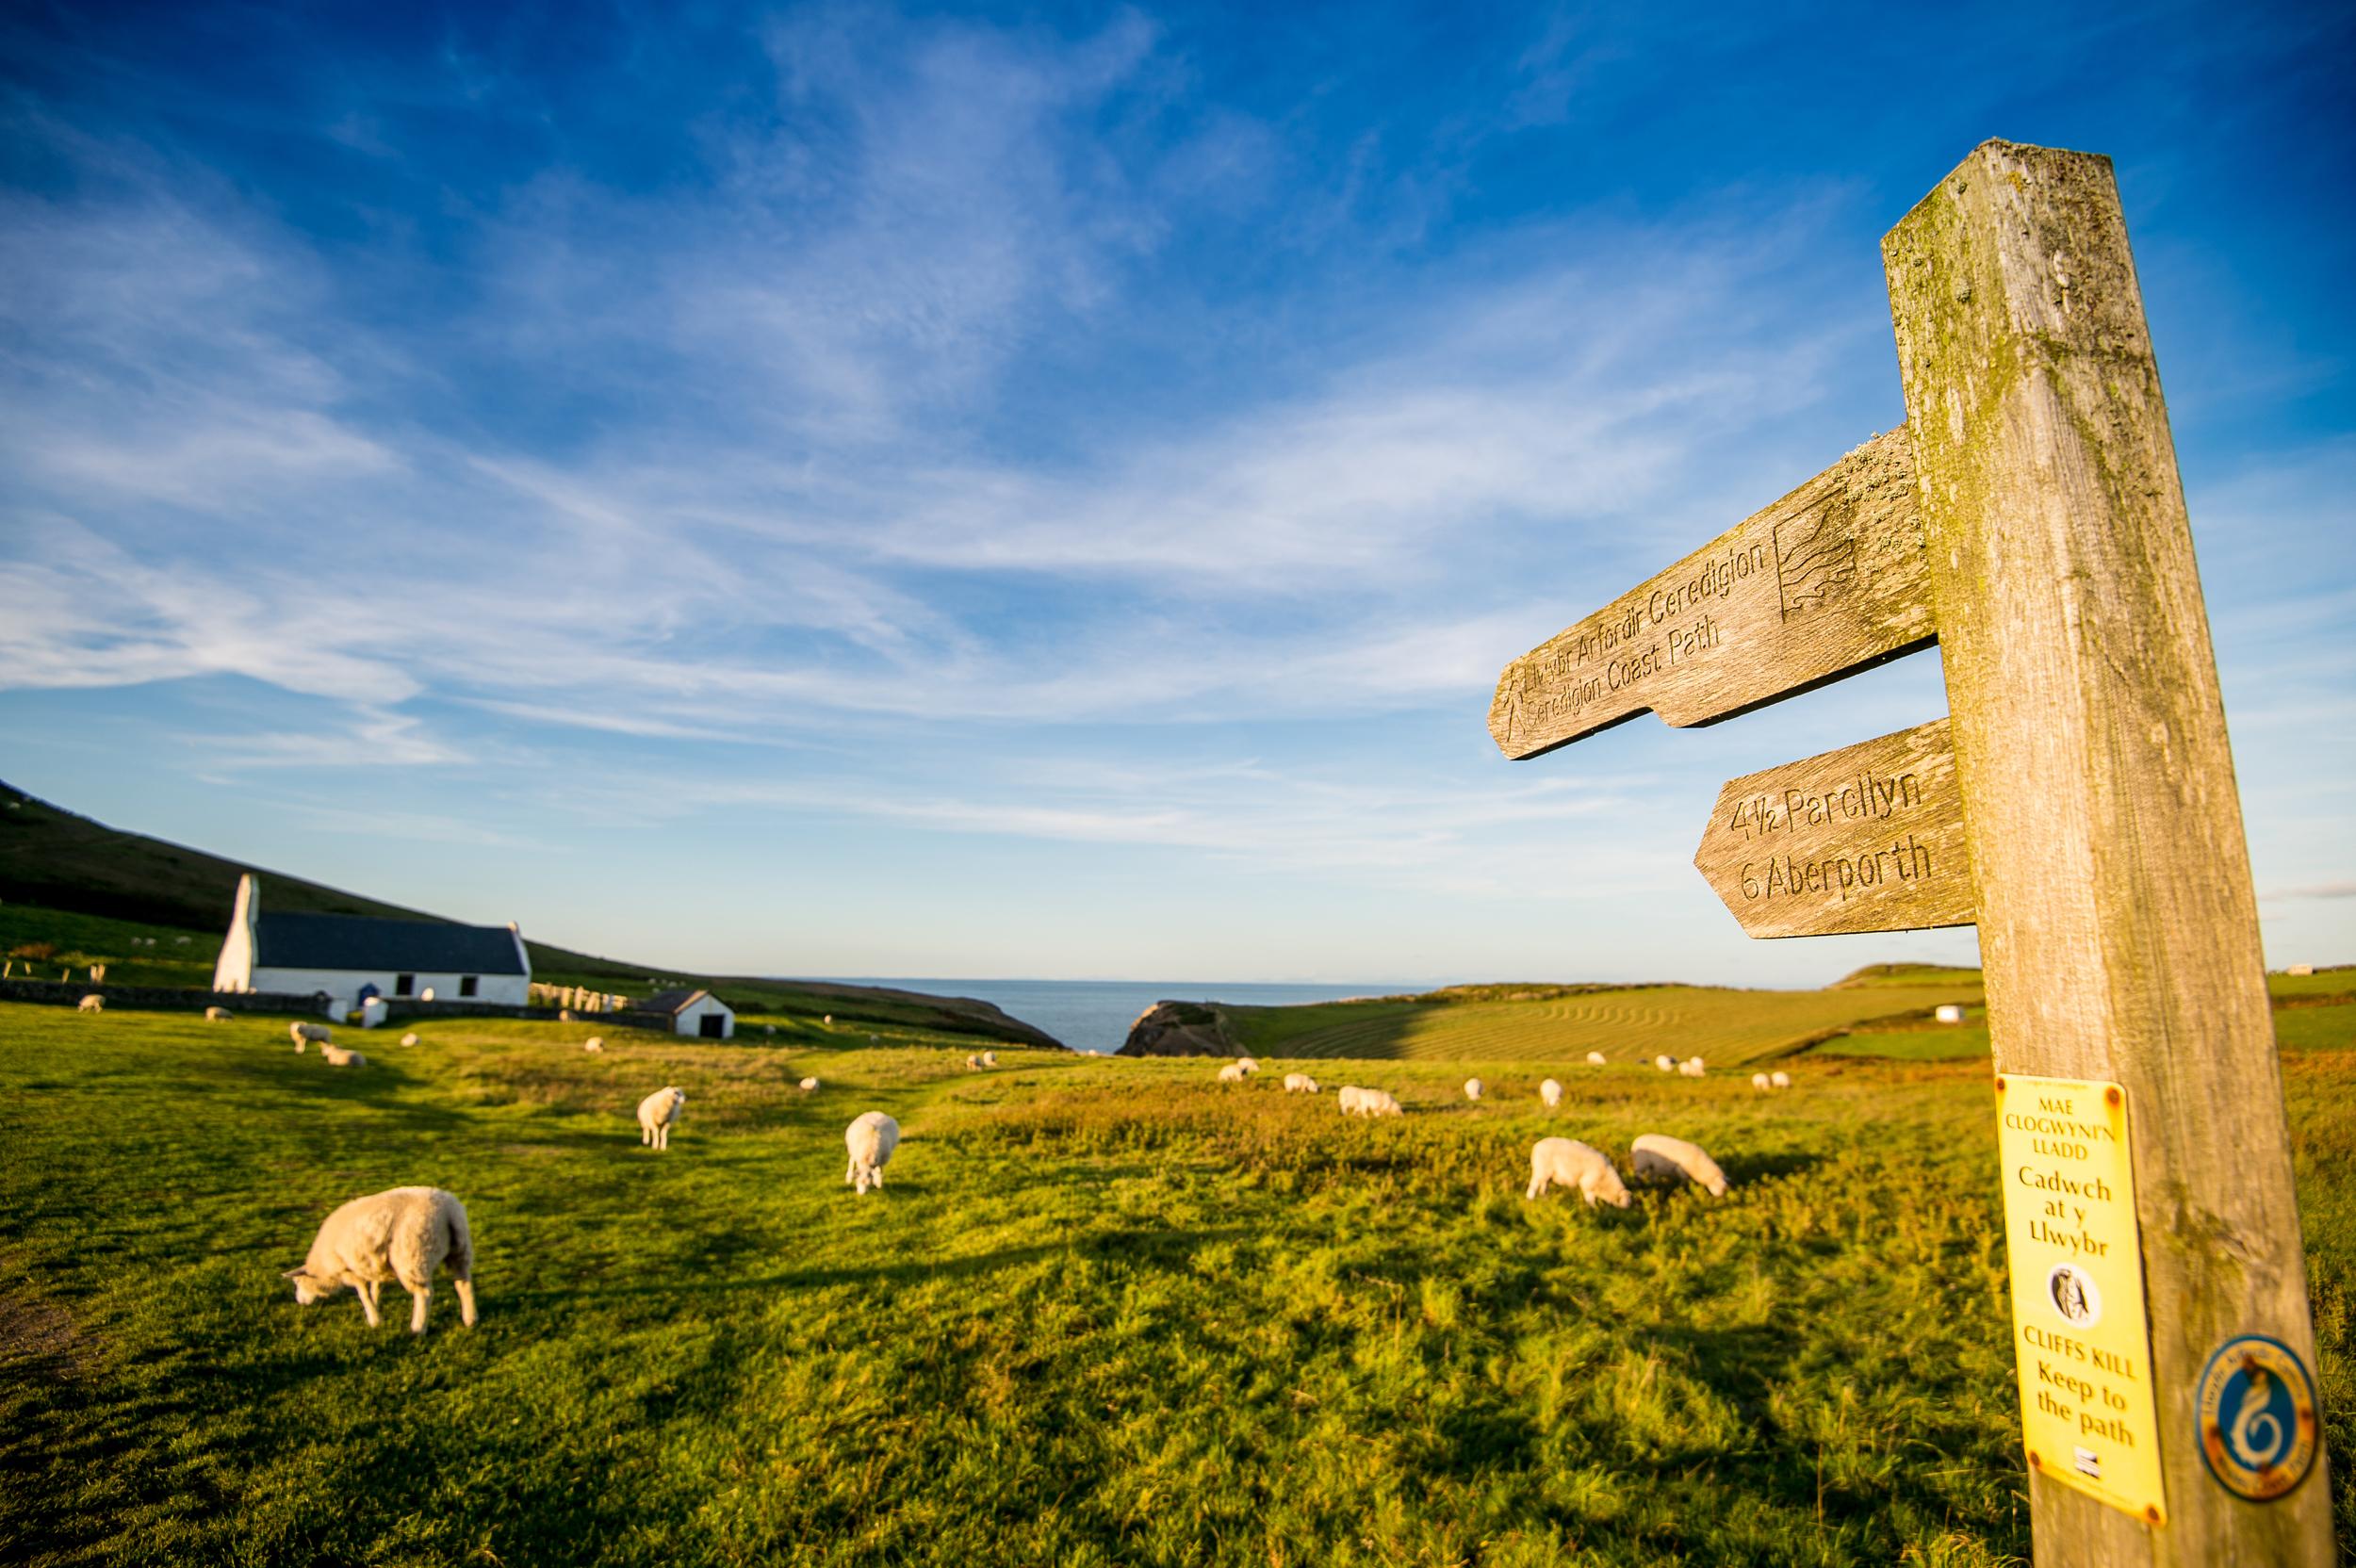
[[2030, 510]]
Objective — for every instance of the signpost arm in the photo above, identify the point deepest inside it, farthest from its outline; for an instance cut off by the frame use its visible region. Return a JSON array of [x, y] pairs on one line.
[[2118, 926]]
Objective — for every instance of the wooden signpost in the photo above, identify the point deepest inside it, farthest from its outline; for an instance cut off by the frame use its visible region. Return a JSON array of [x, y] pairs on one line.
[[2078, 803]]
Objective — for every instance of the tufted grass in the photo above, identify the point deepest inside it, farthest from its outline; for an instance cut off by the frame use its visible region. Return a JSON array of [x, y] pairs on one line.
[[1106, 1312]]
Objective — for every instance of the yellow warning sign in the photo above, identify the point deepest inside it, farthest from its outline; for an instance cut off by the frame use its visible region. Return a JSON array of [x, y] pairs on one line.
[[2079, 1328]]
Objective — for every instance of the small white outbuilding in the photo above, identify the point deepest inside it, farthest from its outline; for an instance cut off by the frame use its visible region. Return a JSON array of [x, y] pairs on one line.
[[694, 1012]]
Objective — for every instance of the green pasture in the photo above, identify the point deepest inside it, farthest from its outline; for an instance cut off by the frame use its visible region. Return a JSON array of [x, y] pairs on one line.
[[1105, 1312]]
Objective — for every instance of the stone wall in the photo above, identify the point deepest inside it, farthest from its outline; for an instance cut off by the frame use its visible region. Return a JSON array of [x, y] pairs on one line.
[[170, 999]]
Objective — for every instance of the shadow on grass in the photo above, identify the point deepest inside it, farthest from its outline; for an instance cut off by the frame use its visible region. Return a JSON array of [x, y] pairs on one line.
[[1151, 1248]]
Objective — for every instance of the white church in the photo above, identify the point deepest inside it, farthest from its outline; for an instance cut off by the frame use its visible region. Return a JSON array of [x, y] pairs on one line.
[[356, 958]]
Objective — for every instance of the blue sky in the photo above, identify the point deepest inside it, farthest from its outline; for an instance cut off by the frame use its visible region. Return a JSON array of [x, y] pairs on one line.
[[1047, 493]]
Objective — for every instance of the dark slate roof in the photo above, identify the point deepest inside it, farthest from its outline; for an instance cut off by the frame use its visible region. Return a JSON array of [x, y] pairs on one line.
[[293, 940], [675, 1003]]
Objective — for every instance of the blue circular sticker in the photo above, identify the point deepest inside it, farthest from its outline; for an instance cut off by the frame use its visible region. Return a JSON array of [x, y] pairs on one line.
[[2258, 1425]]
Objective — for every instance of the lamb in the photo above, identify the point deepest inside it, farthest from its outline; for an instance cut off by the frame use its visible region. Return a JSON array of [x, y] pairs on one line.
[[1595, 1058], [1759, 1081], [808, 1085], [871, 1140], [989, 1058], [972, 1064], [1568, 1163], [594, 1042], [1300, 1083], [1659, 1157], [1550, 1093], [405, 1234], [1666, 1064], [299, 1033], [657, 1114], [1780, 1080], [1473, 1087], [1689, 1068], [1232, 1073], [1368, 1102], [337, 1056], [216, 1015], [1247, 1064], [91, 1004], [828, 1021], [410, 1039]]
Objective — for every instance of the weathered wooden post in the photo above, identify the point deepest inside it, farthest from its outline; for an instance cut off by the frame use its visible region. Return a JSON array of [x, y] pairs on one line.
[[2118, 926], [2078, 803]]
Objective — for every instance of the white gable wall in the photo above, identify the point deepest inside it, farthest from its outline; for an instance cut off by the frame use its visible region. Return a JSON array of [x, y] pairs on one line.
[[690, 1020]]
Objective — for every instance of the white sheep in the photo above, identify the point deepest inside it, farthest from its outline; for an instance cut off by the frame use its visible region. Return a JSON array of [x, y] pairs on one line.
[[768, 1028], [1370, 1104], [1550, 1093], [1473, 1087], [807, 1085], [301, 1033], [657, 1114], [1595, 1058], [828, 1021], [1247, 1064], [871, 1140], [972, 1064], [1760, 1081], [91, 1005], [1231, 1073], [989, 1058], [409, 1038], [1780, 1080], [1659, 1157], [594, 1042], [1689, 1068], [406, 1234], [216, 1015], [337, 1056], [1300, 1083], [1568, 1163], [564, 1015], [1666, 1064]]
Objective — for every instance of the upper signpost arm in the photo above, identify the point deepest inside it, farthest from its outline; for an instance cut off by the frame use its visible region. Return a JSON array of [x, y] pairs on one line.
[[2117, 924]]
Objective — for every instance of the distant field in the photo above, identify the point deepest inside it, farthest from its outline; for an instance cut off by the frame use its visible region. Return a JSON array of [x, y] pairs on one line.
[[1724, 1027], [1105, 1312]]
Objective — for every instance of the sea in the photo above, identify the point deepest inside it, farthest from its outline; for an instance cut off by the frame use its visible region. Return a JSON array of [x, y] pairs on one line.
[[1095, 1015]]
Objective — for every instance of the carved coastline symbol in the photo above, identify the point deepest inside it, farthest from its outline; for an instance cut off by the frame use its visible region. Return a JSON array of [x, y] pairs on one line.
[[1815, 555]]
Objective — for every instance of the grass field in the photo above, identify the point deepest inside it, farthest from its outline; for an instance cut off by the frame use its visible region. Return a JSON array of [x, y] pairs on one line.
[[1106, 1312]]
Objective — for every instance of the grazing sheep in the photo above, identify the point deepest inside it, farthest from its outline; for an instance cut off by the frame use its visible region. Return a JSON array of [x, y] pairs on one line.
[[1759, 1081], [216, 1015], [337, 1056], [1659, 1157], [807, 1085], [1473, 1087], [92, 1004], [828, 1021], [594, 1042], [410, 1039], [1368, 1102], [1689, 1068], [658, 1114], [768, 1028], [299, 1033], [989, 1058], [1595, 1058], [972, 1064], [1300, 1083], [402, 1235], [1232, 1073], [1551, 1093], [179, 941], [1568, 1163], [1666, 1064], [1247, 1064], [871, 1140], [1780, 1080]]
